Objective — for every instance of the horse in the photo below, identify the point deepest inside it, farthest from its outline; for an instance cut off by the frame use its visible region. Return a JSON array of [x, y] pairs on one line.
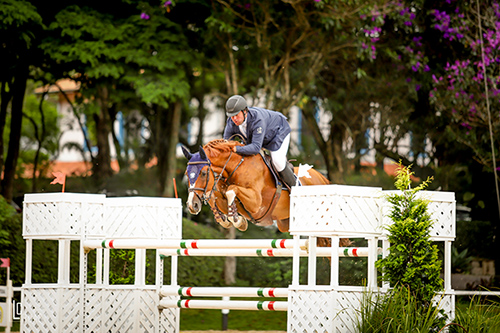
[[240, 188]]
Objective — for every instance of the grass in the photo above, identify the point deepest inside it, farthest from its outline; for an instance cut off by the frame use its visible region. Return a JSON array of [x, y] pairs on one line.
[[478, 315], [194, 319]]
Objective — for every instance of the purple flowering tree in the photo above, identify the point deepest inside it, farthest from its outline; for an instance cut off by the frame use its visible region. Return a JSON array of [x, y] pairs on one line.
[[468, 89]]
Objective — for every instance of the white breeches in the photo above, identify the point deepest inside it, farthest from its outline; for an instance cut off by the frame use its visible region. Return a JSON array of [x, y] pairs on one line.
[[279, 156]]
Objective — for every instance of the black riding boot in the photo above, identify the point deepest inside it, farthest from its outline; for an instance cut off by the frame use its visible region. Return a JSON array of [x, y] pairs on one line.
[[287, 176]]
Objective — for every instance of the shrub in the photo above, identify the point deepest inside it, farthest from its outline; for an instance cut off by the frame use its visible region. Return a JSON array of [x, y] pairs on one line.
[[413, 258]]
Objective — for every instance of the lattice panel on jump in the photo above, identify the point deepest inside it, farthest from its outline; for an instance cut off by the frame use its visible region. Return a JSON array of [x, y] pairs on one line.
[[51, 310], [62, 215], [302, 317], [135, 217], [446, 302], [441, 206], [93, 309], [348, 303], [169, 318], [116, 309], [335, 209]]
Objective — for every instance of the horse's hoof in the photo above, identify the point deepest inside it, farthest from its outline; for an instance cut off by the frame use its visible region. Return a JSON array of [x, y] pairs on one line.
[[241, 224], [224, 224]]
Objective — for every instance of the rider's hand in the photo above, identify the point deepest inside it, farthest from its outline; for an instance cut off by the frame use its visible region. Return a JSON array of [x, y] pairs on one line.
[[234, 149]]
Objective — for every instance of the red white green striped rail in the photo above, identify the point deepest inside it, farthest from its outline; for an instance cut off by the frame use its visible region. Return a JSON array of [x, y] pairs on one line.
[[223, 291], [231, 305], [320, 252], [192, 244]]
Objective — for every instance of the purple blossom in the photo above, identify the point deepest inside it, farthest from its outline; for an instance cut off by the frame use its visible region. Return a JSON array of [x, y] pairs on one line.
[[415, 67], [417, 40], [144, 16], [317, 0], [467, 126], [167, 3], [417, 87], [426, 68]]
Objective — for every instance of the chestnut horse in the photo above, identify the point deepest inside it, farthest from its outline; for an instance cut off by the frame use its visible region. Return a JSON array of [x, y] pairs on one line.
[[239, 188]]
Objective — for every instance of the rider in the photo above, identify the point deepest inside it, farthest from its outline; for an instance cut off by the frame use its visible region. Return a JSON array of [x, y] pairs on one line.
[[263, 129]]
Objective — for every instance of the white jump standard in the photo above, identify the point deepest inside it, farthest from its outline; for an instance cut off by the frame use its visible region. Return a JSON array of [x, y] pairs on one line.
[[104, 224]]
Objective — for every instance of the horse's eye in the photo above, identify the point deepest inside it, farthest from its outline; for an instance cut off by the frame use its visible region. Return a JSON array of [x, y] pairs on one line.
[[203, 173]]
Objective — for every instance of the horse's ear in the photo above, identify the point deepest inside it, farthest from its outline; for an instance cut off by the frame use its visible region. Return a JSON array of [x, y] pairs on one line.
[[202, 154], [186, 152]]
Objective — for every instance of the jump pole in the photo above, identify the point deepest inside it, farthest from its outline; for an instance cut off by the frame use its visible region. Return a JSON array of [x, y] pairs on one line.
[[223, 291], [134, 244], [231, 305], [320, 252]]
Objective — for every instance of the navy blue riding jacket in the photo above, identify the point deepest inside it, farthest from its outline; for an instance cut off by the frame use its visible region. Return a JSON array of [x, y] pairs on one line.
[[265, 129]]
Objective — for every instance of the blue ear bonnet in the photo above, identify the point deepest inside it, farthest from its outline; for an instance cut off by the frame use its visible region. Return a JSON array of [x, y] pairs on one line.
[[196, 163]]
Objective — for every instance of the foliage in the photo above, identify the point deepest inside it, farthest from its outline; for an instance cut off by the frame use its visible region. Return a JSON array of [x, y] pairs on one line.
[[6, 214], [460, 261], [399, 310], [476, 237], [413, 259], [480, 315]]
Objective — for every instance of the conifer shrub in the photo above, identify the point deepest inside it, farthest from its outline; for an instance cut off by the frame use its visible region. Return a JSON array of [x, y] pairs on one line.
[[413, 258]]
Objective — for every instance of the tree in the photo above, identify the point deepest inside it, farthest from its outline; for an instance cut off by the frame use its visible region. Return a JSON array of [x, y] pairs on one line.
[[144, 54], [282, 51], [20, 24]]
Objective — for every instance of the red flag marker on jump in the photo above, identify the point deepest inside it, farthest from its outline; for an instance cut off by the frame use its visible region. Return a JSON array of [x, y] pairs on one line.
[[60, 179], [4, 262]]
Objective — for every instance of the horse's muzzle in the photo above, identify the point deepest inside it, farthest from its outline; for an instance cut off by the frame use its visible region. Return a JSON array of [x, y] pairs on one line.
[[194, 205]]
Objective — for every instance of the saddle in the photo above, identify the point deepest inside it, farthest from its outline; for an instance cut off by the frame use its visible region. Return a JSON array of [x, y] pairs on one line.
[[277, 179]]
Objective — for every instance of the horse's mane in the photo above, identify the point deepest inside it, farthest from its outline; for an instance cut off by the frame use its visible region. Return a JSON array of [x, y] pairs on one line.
[[218, 146]]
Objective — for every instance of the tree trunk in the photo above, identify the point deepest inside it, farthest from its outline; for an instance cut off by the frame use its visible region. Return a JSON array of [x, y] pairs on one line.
[[167, 137], [230, 262], [329, 150], [18, 92], [5, 99], [102, 166]]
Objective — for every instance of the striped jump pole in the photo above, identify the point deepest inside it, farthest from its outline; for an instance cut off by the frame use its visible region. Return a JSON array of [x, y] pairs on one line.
[[217, 304], [191, 244], [223, 291], [320, 252]]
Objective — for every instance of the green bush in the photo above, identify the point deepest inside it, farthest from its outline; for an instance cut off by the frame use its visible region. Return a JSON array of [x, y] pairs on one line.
[[413, 258]]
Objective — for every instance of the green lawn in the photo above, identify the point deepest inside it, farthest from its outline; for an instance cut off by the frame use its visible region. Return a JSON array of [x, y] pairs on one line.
[[194, 319]]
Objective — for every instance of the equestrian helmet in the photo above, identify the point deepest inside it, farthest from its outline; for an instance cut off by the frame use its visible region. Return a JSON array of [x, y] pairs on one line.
[[235, 104]]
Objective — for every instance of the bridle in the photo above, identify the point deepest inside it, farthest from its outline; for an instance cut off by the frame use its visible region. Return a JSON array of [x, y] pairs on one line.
[[217, 177]]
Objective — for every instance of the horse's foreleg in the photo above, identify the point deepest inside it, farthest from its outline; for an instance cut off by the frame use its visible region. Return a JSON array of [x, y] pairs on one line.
[[219, 217], [238, 221]]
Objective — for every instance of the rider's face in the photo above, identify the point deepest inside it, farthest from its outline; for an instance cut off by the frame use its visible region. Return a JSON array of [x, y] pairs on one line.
[[239, 118]]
